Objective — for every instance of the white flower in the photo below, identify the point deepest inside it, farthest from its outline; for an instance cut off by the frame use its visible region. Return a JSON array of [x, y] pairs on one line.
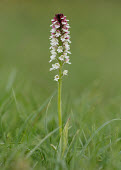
[[52, 57], [68, 40], [61, 58], [67, 52], [57, 25], [60, 49], [65, 34], [65, 37], [53, 30], [68, 36], [51, 69], [55, 22], [53, 47], [56, 78], [67, 61], [58, 33], [66, 43], [53, 52], [67, 57], [55, 66], [51, 37], [62, 38], [67, 47], [65, 30], [54, 41], [65, 72], [64, 23], [67, 26]]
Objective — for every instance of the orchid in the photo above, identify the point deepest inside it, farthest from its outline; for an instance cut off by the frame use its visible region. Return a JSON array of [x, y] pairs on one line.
[[59, 41], [60, 48]]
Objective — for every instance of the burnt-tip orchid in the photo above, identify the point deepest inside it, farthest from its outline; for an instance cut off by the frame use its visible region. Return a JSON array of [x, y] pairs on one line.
[[60, 50], [59, 41]]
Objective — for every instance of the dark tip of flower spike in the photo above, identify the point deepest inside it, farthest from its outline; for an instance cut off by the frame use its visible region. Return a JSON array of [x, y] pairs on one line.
[[59, 16]]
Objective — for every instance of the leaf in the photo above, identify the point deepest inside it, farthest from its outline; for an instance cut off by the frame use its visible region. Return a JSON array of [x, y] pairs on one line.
[[64, 138], [40, 142], [96, 132], [71, 143], [54, 147]]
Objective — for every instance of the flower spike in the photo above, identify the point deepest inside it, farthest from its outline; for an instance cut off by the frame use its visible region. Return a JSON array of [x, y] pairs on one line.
[[59, 41]]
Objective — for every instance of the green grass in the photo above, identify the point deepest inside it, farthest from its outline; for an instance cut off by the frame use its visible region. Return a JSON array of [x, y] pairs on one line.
[[28, 128], [91, 95]]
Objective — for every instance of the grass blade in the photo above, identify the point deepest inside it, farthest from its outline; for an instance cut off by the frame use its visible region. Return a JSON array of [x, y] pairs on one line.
[[51, 133], [93, 135]]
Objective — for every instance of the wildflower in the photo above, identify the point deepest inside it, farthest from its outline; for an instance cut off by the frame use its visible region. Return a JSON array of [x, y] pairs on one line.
[[60, 40], [64, 23], [65, 54], [67, 26], [53, 51], [65, 72], [60, 49], [67, 60], [57, 25], [55, 66], [52, 57], [54, 41], [58, 33], [56, 78], [61, 58], [67, 57], [53, 30]]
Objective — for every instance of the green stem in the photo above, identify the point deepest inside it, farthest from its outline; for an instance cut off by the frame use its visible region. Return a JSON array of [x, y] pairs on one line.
[[59, 102]]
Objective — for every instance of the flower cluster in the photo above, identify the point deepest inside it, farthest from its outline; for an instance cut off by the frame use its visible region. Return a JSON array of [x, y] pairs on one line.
[[60, 47]]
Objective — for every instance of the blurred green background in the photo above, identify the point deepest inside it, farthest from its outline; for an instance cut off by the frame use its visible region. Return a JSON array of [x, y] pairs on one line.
[[96, 44], [91, 92]]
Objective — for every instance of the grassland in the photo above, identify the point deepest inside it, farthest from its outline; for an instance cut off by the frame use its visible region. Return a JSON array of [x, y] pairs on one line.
[[91, 92]]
